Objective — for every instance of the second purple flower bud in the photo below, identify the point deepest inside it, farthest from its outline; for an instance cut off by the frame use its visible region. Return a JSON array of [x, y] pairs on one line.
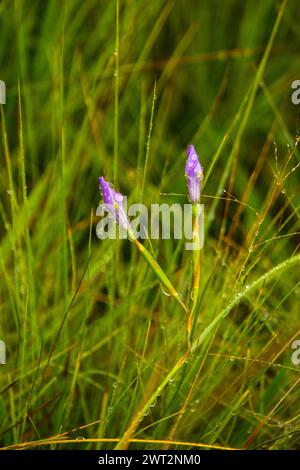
[[194, 174]]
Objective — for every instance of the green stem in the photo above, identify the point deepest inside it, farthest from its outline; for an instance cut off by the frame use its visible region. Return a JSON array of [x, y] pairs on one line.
[[160, 273], [196, 273], [196, 259], [166, 283]]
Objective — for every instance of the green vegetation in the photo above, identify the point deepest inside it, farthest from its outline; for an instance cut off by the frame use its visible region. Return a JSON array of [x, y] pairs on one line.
[[95, 349]]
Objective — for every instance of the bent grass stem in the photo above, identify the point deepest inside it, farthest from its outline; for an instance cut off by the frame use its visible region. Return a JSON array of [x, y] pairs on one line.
[[236, 297]]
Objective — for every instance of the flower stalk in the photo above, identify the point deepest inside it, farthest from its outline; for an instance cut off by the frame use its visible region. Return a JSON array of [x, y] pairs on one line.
[[194, 175], [114, 204], [196, 260]]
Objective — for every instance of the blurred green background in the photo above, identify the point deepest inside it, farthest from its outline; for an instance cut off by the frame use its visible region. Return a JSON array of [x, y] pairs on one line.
[[120, 89]]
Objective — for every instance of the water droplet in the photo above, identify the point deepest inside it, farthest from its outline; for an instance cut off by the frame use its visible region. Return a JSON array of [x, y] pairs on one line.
[[119, 197], [153, 404], [164, 291]]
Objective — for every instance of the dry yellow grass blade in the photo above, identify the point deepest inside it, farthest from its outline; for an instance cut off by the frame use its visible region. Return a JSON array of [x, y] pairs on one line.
[[26, 445]]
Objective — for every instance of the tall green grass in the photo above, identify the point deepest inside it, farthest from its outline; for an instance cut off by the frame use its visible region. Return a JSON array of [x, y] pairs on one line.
[[95, 349]]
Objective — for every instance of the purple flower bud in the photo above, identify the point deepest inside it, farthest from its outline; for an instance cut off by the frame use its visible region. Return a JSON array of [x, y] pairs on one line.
[[114, 203], [194, 174]]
